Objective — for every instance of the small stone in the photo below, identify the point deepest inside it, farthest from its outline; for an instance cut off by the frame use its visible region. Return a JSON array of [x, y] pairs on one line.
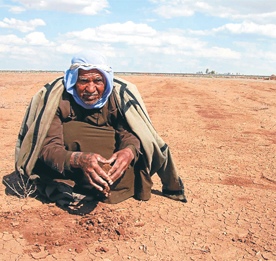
[[100, 220], [40, 255], [78, 250], [120, 231], [101, 249]]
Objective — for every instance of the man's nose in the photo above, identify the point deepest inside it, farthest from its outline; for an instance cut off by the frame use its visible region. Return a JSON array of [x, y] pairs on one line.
[[91, 87]]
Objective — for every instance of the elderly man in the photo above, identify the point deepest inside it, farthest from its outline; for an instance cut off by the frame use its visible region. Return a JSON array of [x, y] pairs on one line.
[[89, 133]]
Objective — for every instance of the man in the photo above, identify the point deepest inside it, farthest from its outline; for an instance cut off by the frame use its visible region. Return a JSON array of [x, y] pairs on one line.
[[93, 132]]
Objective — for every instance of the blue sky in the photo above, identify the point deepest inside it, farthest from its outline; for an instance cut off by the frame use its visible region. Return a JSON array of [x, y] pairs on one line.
[[180, 36]]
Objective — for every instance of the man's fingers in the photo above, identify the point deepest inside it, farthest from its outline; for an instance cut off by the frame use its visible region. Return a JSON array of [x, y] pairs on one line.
[[95, 185], [117, 174], [101, 159], [110, 160], [96, 181], [104, 175]]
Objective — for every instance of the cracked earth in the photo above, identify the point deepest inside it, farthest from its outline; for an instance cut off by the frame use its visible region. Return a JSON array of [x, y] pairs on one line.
[[222, 134]]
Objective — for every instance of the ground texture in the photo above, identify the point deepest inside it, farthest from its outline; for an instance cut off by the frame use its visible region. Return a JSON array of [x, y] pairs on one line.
[[222, 134]]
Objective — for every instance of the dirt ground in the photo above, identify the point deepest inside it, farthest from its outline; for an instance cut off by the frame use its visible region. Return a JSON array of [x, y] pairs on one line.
[[222, 134]]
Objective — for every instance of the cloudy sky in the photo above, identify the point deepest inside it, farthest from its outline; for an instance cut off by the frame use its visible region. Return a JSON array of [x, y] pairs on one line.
[[181, 36]]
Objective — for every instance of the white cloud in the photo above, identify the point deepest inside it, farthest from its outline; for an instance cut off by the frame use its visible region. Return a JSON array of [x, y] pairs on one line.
[[22, 52], [129, 32], [177, 8], [37, 38], [138, 47], [269, 56], [268, 30], [203, 52], [33, 51], [218, 52], [14, 46], [234, 9], [32, 39], [170, 11], [254, 50], [17, 9], [11, 39], [68, 48], [262, 18], [23, 26], [128, 28], [145, 39], [86, 7], [4, 48]]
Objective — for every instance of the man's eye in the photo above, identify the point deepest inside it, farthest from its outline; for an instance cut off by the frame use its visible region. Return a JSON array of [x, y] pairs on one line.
[[98, 80], [83, 80]]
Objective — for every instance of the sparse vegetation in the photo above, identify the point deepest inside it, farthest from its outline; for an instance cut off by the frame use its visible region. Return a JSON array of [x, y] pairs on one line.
[[24, 188]]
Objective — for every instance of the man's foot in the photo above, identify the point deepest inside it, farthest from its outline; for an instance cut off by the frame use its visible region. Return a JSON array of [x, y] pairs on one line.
[[177, 195], [80, 197]]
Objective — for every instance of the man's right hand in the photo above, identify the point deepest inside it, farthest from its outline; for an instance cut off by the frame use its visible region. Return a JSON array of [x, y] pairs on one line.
[[89, 163]]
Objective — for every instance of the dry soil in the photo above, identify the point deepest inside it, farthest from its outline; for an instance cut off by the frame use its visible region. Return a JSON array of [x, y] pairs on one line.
[[222, 134]]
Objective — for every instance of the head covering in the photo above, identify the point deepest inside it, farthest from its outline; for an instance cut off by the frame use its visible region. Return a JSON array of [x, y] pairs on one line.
[[94, 61]]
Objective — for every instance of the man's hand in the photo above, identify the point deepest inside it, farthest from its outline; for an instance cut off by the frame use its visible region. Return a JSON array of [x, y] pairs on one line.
[[122, 160], [89, 163]]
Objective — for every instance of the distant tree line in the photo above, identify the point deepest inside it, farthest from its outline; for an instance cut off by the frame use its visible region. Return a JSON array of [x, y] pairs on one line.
[[207, 71]]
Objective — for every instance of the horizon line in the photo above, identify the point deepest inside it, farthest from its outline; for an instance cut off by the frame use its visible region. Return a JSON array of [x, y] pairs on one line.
[[224, 75]]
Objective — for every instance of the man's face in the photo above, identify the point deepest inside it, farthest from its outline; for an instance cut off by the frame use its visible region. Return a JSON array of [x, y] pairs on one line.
[[90, 86]]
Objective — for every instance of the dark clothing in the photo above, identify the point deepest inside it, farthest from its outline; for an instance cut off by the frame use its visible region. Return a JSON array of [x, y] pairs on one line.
[[32, 148], [55, 153], [101, 131]]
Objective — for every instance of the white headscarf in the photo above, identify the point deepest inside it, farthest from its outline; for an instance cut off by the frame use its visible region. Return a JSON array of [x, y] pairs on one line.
[[94, 61]]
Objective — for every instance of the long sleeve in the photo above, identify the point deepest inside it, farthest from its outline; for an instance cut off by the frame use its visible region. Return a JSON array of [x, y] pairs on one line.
[[125, 138], [53, 152]]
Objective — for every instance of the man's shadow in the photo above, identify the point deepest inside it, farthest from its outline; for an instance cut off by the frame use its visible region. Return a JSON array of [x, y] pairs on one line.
[[21, 187]]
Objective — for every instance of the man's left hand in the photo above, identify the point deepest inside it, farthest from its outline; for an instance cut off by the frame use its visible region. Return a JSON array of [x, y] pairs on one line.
[[122, 159]]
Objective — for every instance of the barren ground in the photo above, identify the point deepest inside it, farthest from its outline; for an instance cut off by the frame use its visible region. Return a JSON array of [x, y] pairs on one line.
[[222, 134]]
